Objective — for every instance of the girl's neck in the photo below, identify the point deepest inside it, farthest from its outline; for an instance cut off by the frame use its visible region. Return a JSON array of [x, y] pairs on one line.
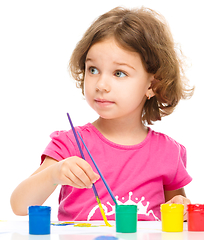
[[121, 131]]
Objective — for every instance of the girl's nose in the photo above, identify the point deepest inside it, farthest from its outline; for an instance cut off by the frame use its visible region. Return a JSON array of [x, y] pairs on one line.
[[103, 84]]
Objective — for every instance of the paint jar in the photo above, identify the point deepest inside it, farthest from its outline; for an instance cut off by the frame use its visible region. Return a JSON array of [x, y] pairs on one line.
[[126, 218], [39, 220], [195, 215], [172, 217]]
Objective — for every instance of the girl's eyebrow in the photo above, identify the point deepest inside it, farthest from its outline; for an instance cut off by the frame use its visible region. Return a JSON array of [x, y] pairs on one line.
[[88, 59], [117, 63], [125, 64]]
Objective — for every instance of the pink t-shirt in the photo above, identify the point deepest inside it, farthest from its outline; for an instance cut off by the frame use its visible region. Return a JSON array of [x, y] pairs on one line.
[[136, 174]]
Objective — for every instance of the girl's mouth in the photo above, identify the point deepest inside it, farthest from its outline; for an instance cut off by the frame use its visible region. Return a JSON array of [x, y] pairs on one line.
[[103, 102]]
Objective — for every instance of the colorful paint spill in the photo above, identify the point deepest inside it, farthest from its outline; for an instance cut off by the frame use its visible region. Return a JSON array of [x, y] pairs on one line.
[[77, 224], [105, 238], [82, 225], [63, 223]]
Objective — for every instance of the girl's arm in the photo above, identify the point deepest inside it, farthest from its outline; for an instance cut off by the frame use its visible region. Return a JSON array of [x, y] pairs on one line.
[[33, 190], [179, 197], [72, 171]]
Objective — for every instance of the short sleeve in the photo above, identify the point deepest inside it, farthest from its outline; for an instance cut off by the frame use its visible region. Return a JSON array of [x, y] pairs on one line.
[[180, 176], [60, 147]]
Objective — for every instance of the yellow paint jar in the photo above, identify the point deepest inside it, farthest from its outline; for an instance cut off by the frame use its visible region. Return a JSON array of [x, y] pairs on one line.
[[172, 217]]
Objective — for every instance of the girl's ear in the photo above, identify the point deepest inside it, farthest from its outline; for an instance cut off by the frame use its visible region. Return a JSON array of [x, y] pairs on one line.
[[150, 92]]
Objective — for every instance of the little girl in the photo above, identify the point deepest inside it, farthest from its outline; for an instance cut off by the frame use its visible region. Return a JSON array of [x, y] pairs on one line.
[[130, 74]]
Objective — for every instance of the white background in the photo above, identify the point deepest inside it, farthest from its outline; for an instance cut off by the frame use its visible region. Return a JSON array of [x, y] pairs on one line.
[[36, 91]]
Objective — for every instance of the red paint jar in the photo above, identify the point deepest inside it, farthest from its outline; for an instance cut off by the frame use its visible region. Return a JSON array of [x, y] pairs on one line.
[[195, 214]]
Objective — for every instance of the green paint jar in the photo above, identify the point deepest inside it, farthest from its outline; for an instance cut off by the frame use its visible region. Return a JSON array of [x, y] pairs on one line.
[[126, 218]]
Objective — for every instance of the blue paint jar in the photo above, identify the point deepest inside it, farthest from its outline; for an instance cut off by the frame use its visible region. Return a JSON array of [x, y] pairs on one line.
[[39, 220]]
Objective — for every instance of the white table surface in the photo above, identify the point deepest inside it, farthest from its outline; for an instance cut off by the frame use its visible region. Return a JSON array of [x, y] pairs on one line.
[[19, 230]]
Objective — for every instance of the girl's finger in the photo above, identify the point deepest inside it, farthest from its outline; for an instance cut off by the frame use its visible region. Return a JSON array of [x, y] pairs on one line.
[[80, 176]]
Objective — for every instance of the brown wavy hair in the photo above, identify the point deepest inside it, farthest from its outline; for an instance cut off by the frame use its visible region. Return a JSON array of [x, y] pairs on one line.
[[146, 32]]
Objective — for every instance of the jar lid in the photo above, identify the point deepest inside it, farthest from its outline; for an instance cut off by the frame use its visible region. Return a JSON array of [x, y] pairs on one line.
[[195, 207], [38, 209], [171, 207], [126, 208]]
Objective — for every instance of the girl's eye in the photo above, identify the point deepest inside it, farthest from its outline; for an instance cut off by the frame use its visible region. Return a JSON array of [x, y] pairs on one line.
[[120, 74], [93, 70]]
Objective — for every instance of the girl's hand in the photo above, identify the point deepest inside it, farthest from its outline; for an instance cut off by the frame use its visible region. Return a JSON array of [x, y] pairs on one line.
[[179, 199], [75, 172]]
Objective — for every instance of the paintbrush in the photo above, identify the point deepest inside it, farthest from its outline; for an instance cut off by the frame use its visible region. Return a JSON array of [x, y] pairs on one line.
[[102, 177], [93, 186]]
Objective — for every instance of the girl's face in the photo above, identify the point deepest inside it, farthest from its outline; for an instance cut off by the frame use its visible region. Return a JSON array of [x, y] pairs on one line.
[[116, 85]]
